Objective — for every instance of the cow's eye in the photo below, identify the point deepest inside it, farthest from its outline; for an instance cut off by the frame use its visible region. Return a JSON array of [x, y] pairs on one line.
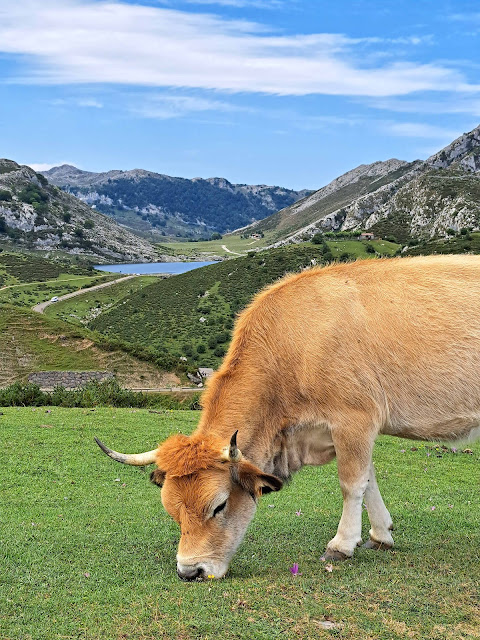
[[220, 507]]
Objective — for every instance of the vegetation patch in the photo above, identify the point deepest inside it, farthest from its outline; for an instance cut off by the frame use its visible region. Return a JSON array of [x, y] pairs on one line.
[[84, 308], [191, 315], [31, 342], [88, 552]]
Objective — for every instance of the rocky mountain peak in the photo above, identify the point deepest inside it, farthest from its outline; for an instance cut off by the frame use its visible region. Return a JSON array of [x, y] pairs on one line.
[[464, 152]]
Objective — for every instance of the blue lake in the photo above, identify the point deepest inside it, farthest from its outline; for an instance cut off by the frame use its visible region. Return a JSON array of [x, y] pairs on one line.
[[152, 267]]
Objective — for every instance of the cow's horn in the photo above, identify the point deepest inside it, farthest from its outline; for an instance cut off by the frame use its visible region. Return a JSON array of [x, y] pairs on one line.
[[234, 453], [137, 459]]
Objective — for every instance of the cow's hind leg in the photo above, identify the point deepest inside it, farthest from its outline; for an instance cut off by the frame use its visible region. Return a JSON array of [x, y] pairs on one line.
[[353, 446], [380, 519]]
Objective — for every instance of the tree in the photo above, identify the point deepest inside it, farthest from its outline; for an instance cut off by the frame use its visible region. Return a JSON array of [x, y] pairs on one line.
[[88, 224], [216, 236]]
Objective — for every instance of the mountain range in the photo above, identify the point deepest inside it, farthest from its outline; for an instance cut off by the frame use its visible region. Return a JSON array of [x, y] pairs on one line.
[[420, 199], [159, 205], [37, 215]]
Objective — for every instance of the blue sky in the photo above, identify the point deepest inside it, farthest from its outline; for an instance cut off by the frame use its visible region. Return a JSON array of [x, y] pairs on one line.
[[284, 92]]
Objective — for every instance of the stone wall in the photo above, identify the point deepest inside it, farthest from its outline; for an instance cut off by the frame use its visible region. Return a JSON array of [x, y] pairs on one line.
[[67, 379]]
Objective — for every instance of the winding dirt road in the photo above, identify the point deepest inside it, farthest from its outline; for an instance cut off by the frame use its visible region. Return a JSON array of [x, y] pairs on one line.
[[40, 308]]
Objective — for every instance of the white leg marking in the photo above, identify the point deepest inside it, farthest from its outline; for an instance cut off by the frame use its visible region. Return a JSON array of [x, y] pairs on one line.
[[380, 519], [349, 532]]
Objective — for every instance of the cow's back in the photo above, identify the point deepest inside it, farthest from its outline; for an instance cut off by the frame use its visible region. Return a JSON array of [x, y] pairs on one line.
[[397, 337]]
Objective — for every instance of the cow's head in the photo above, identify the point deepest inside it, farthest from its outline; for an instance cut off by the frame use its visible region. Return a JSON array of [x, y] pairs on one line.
[[211, 491]]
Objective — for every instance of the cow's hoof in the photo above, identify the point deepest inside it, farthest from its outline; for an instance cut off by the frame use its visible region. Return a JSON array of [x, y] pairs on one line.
[[375, 544], [332, 554]]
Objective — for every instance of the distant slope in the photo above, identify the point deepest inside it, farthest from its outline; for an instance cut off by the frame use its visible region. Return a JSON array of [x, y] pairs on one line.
[[148, 201], [191, 315], [327, 203], [417, 199], [31, 342], [37, 215]]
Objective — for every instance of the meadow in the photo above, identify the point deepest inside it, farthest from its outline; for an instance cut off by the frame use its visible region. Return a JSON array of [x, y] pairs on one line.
[[88, 552]]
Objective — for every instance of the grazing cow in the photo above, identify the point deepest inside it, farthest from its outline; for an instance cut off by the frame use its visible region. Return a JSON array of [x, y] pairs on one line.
[[320, 364]]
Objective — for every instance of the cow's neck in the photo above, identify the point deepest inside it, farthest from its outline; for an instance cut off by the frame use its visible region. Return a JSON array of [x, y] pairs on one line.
[[277, 441], [231, 402]]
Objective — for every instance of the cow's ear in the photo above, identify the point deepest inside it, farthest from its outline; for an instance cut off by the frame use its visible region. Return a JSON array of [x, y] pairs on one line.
[[253, 480], [269, 483], [158, 477]]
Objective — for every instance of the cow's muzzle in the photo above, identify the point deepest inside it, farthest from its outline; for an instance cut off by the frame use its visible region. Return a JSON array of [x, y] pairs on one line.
[[190, 574]]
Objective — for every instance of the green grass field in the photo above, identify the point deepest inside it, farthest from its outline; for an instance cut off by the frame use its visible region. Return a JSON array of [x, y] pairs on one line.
[[240, 246], [88, 552], [83, 308], [202, 250]]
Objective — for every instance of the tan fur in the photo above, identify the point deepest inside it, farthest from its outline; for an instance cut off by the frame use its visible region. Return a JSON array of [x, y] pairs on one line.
[[320, 364]]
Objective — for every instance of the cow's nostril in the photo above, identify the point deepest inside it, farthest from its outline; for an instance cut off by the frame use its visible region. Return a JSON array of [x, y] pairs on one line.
[[191, 574]]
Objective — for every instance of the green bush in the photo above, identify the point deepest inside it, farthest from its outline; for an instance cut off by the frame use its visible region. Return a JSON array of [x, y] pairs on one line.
[[23, 395], [5, 195], [94, 394]]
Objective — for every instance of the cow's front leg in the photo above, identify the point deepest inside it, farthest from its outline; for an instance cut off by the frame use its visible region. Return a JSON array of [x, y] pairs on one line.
[[380, 519], [354, 454]]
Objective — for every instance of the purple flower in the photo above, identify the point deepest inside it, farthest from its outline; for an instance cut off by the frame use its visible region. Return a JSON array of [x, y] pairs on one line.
[[299, 513], [402, 450], [294, 570], [454, 450], [433, 508]]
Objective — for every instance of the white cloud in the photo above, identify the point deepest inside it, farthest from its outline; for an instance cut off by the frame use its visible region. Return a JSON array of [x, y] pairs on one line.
[[452, 105], [260, 4], [420, 130], [82, 41], [165, 107]]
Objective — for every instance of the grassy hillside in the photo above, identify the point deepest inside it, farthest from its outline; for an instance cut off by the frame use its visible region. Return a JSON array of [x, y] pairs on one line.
[[88, 551], [463, 242], [84, 308], [192, 314], [27, 279], [31, 342]]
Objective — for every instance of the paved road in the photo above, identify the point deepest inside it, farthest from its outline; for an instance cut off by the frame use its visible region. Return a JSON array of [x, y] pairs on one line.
[[40, 308]]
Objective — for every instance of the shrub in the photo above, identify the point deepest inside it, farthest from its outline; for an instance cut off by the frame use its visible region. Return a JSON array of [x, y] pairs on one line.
[[369, 248], [5, 195], [88, 224], [23, 395], [219, 351], [318, 238], [67, 216], [106, 394]]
